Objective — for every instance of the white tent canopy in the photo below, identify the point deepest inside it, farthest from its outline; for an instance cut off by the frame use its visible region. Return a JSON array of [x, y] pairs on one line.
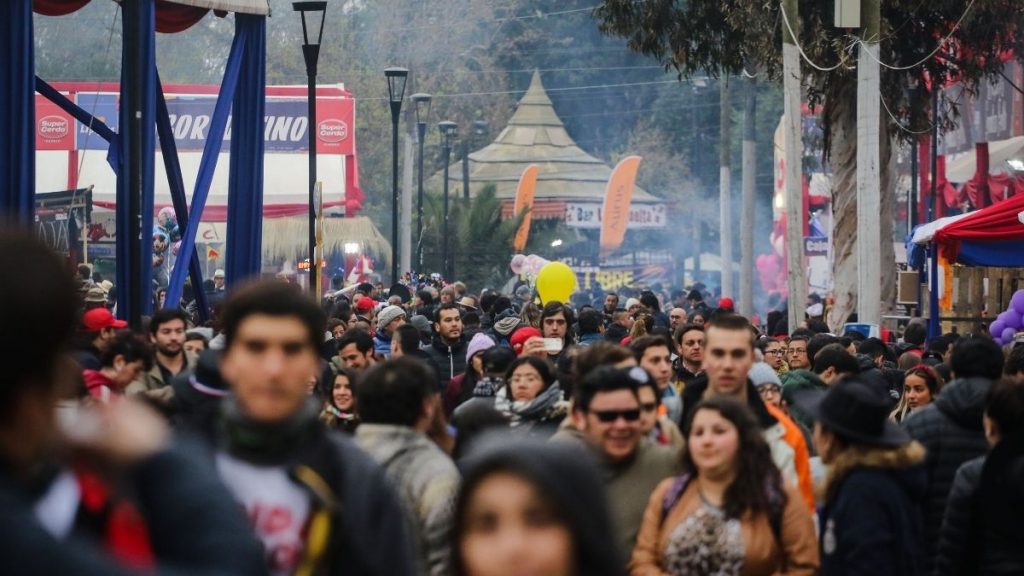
[[924, 233], [963, 168]]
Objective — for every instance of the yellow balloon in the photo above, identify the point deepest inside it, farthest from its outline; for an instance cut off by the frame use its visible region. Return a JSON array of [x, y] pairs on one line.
[[555, 281]]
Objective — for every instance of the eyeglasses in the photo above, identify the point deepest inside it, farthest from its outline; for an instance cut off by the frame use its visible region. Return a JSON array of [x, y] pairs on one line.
[[649, 406], [797, 350], [776, 352], [609, 416]]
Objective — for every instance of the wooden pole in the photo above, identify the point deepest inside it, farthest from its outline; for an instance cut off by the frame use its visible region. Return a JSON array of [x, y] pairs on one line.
[[724, 185], [869, 241], [795, 274]]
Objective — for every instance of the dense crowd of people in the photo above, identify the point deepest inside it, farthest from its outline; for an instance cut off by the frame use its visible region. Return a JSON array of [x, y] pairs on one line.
[[432, 430]]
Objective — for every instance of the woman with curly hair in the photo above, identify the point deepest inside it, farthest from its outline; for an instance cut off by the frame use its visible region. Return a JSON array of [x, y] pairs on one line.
[[729, 513]]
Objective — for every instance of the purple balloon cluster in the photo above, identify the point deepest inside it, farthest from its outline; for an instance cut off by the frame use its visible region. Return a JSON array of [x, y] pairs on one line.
[[1008, 323]]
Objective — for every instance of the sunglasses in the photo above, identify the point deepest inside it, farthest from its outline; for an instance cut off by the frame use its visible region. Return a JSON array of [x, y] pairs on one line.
[[609, 416]]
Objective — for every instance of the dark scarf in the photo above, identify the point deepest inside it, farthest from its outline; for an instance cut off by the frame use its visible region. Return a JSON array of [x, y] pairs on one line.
[[263, 443]]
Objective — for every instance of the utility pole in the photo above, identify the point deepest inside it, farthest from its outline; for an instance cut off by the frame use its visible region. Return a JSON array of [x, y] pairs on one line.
[[794, 184], [409, 139], [724, 185], [747, 211], [869, 237]]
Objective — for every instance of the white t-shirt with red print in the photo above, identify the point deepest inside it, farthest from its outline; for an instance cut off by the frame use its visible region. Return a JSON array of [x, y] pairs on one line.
[[277, 507]]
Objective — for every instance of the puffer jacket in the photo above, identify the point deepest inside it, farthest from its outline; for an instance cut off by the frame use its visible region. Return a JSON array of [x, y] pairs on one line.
[[426, 481], [981, 529], [448, 360], [951, 431], [871, 520]]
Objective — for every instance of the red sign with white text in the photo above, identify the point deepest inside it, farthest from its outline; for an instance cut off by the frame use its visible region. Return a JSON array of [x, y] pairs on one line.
[[55, 128]]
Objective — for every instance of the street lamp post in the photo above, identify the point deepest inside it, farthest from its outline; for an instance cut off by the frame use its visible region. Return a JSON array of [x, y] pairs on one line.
[[310, 12], [396, 78], [448, 131], [422, 104], [480, 127]]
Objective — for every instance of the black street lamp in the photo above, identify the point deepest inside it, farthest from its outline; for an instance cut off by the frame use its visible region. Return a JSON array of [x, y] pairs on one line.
[[480, 127], [449, 131], [422, 103], [310, 12], [396, 78]]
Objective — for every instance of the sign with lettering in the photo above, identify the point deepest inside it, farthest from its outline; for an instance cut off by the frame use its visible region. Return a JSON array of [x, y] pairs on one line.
[[587, 215]]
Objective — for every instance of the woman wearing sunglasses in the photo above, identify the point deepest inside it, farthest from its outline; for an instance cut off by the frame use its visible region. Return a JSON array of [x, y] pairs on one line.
[[729, 513]]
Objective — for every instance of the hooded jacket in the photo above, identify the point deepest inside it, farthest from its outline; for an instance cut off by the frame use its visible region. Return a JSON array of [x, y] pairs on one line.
[[795, 382], [448, 360], [871, 520], [426, 481], [951, 431], [786, 441], [981, 529]]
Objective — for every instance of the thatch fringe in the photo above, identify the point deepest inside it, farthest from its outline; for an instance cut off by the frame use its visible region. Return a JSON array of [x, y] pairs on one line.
[[288, 238]]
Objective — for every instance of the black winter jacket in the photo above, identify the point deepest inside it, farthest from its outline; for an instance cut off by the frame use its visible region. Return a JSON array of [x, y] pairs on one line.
[[194, 526], [981, 529], [448, 361], [872, 524], [951, 431]]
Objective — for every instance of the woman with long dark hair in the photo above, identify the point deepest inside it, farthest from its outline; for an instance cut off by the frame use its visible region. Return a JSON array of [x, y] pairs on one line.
[[921, 384], [531, 398], [729, 513], [337, 390], [532, 508]]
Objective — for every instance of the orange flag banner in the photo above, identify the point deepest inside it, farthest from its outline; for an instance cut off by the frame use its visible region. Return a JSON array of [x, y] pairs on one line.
[[617, 198], [524, 199]]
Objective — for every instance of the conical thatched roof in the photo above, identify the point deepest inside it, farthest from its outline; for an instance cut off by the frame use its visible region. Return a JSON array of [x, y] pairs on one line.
[[535, 135]]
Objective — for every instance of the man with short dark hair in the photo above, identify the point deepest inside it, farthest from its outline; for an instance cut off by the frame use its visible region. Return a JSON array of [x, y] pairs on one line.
[[830, 364], [690, 338], [619, 327], [314, 498], [654, 354], [797, 351], [167, 334], [728, 357], [650, 302], [914, 336], [122, 361], [447, 351], [951, 427], [355, 349], [96, 330], [611, 303], [397, 404], [606, 418], [591, 327]]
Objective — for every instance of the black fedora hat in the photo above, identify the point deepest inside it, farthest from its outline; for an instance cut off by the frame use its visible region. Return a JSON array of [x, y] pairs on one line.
[[854, 410]]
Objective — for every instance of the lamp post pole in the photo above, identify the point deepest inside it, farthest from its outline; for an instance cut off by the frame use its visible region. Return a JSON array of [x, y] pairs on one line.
[[396, 78], [448, 129], [422, 103], [311, 54]]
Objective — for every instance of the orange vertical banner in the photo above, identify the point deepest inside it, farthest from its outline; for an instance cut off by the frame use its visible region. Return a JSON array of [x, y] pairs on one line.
[[524, 199], [617, 198]]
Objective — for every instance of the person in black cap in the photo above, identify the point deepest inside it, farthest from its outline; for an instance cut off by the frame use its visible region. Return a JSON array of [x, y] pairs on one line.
[[871, 522]]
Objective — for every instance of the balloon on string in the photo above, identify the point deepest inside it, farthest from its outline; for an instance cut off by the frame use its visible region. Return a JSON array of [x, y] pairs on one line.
[[534, 264], [996, 328], [518, 263], [1012, 318], [1008, 334], [555, 282], [1017, 301]]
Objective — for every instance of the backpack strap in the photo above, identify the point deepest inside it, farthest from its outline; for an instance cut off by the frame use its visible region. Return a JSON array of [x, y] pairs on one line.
[[674, 494]]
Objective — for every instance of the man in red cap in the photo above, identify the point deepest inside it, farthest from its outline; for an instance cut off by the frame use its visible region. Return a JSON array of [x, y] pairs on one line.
[[97, 329], [725, 304]]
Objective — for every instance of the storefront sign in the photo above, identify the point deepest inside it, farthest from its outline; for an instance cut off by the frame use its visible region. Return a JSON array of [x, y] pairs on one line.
[[586, 215]]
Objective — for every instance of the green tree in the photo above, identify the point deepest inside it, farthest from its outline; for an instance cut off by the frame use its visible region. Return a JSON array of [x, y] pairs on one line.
[[922, 44]]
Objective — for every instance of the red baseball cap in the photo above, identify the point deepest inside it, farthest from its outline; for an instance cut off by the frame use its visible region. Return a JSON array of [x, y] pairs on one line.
[[99, 318], [726, 303], [365, 304]]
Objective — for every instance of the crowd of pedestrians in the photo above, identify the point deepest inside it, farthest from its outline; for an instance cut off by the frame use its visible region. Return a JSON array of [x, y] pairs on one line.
[[432, 430]]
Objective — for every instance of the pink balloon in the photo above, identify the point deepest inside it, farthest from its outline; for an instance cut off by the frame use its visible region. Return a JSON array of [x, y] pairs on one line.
[[518, 263]]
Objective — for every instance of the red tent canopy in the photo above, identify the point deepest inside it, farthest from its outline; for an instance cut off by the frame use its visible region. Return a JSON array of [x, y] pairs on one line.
[[999, 222]]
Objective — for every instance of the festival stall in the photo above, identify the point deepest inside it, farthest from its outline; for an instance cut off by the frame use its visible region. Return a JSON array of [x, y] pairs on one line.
[[989, 237]]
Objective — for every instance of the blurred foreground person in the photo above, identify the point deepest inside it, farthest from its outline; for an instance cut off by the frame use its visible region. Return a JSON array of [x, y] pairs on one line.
[[60, 516], [871, 521], [319, 504], [528, 509], [730, 512], [981, 529]]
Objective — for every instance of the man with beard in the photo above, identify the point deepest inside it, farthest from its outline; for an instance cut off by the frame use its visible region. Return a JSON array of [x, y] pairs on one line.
[[167, 334], [447, 351]]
